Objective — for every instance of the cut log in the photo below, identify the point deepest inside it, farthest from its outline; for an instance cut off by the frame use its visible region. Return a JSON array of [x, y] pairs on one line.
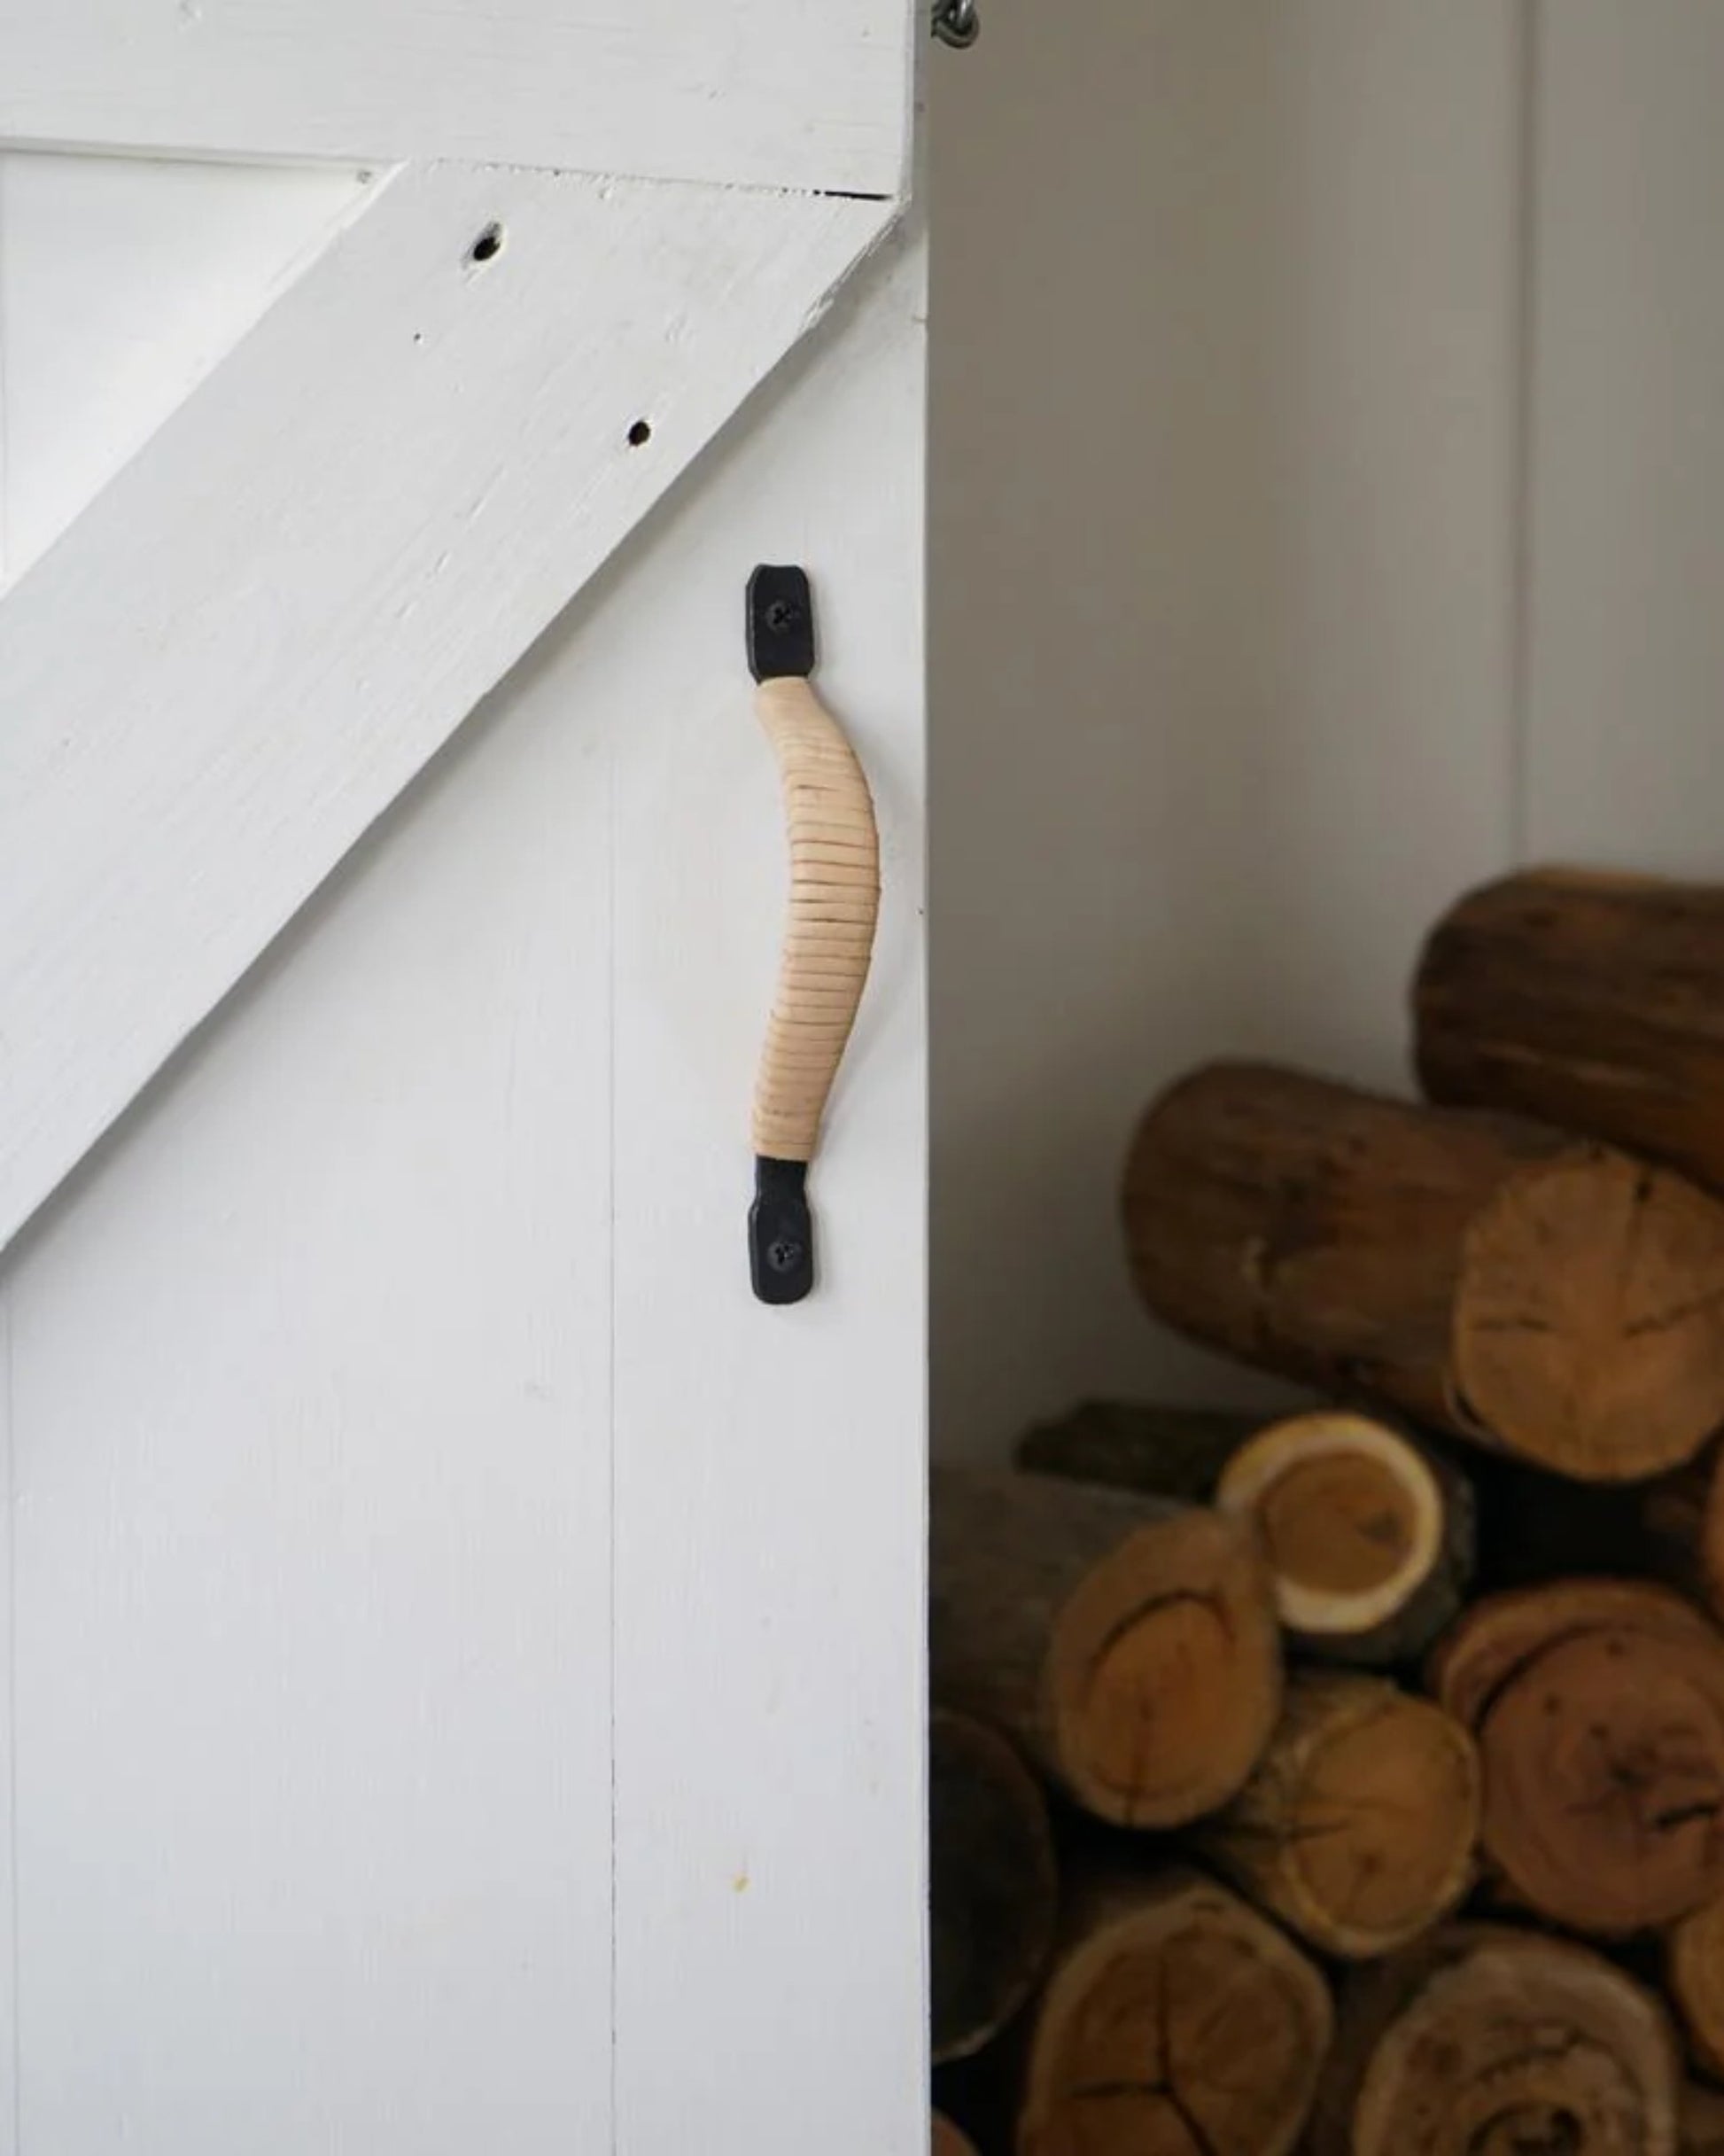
[[1369, 1534], [1485, 2042], [1128, 1645], [1598, 1710], [1694, 1977], [995, 1886], [1486, 1276], [1702, 2126], [1359, 1827], [948, 2141], [1590, 1001], [1176, 2022]]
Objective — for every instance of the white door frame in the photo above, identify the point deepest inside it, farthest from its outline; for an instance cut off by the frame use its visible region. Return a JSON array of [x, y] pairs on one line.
[[229, 666]]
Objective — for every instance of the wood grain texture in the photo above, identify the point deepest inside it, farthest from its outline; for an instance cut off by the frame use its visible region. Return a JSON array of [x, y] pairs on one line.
[[1358, 1827], [833, 847], [1127, 1643], [1480, 2041], [1176, 2018], [740, 91], [212, 690], [1598, 1710], [1487, 1275], [1591, 1000]]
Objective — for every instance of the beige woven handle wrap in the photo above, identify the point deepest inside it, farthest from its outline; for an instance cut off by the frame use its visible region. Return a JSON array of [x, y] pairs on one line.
[[834, 902]]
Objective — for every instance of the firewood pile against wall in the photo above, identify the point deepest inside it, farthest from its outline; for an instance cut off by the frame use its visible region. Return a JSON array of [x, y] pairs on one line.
[[1351, 1782]]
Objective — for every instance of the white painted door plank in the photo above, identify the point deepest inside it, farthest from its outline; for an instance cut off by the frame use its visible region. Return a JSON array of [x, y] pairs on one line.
[[292, 595], [123, 281], [743, 91], [770, 1474], [311, 1533]]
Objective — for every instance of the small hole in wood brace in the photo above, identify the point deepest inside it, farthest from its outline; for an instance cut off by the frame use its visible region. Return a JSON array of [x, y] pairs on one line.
[[639, 434], [488, 246]]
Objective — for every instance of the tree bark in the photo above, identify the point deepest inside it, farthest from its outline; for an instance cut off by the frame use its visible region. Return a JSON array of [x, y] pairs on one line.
[[1487, 2041], [1486, 1276], [1359, 1827], [1593, 1001], [1598, 1710], [1176, 2022], [1128, 1645], [1369, 1534], [995, 1884]]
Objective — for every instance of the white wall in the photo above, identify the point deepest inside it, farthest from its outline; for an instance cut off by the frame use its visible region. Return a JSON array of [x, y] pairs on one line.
[[1327, 473]]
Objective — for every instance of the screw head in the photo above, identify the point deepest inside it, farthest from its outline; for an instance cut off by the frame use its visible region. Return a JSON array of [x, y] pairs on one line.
[[785, 1255], [783, 614]]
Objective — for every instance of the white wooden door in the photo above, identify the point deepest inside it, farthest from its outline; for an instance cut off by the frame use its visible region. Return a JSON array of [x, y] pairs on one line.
[[462, 1655]]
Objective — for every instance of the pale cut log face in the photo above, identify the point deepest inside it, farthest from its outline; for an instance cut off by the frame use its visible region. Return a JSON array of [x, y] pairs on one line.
[[1589, 1327], [1351, 1517]]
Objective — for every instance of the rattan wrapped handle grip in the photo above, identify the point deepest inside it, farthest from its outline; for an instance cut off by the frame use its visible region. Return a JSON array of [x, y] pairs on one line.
[[835, 903]]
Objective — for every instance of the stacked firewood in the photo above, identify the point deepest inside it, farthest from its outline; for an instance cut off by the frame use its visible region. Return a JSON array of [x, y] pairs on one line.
[[1351, 1783]]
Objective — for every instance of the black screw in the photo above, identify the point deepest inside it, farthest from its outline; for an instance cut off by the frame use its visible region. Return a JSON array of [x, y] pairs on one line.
[[784, 1256], [783, 614]]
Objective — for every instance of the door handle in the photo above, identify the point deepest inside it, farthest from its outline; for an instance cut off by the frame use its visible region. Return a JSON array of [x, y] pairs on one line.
[[834, 845]]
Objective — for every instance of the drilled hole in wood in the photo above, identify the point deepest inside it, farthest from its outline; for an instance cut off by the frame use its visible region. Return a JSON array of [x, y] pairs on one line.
[[488, 246], [640, 433]]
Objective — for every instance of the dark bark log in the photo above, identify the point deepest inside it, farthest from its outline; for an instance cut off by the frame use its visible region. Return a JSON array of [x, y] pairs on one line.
[[1486, 1276], [1594, 1001], [995, 1883]]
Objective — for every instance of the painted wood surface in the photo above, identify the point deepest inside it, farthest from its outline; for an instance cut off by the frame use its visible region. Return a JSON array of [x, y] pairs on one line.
[[343, 1744], [743, 91], [296, 589], [123, 281]]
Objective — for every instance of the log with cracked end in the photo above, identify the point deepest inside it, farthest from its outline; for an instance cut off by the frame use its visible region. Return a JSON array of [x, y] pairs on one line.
[[1359, 1827], [1369, 1532], [1176, 2022], [1531, 1292], [1598, 1710], [1128, 1647], [1485, 2041]]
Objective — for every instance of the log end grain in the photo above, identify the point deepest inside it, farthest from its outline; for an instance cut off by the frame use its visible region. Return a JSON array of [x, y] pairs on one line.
[[1489, 2042], [1367, 1547], [995, 1899], [1129, 1645], [1360, 1826], [1694, 1968], [1179, 2022], [1589, 1320], [1164, 1673], [1598, 1710]]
